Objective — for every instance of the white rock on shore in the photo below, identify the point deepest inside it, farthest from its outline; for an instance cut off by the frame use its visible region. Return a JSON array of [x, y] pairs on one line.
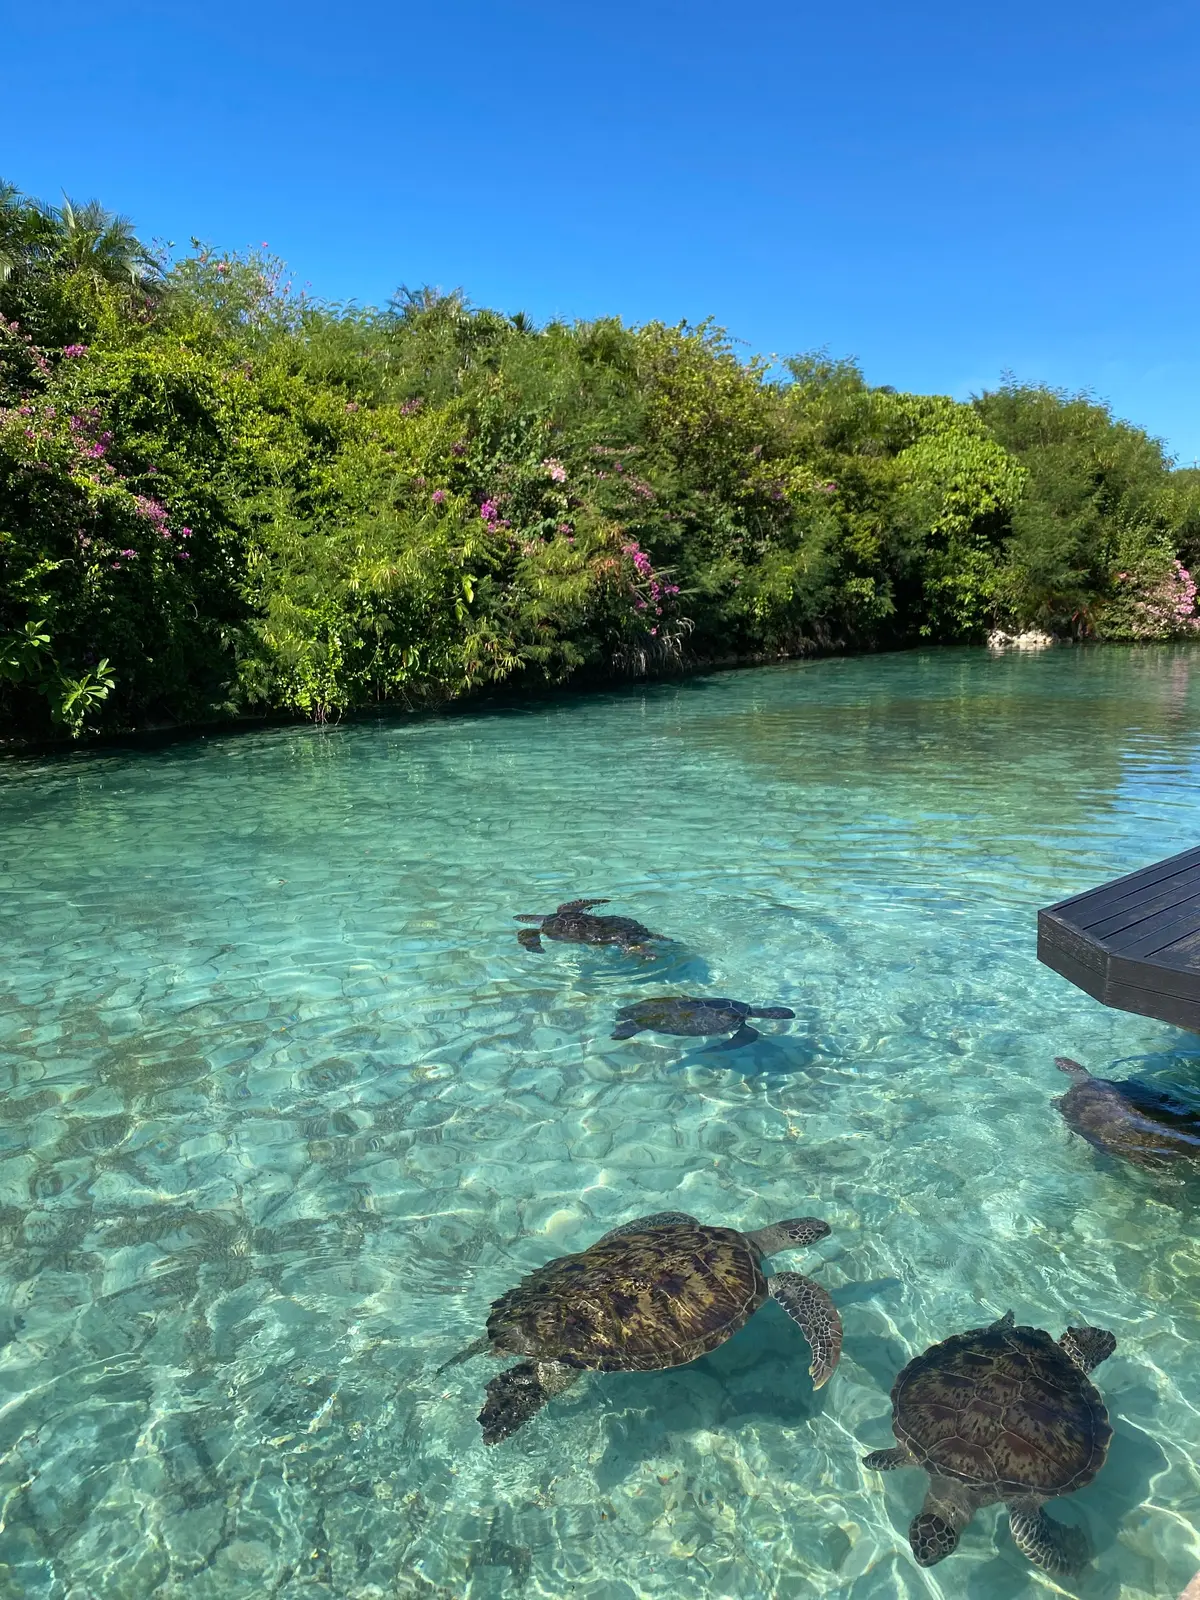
[[1033, 639]]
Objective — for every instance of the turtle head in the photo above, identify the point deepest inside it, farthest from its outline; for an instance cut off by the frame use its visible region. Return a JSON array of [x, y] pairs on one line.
[[932, 1538], [790, 1235], [1088, 1347], [1074, 1069], [773, 1013]]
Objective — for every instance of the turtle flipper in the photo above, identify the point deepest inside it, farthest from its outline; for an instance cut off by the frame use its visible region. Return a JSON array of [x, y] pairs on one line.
[[1088, 1347], [519, 1393], [1075, 1069], [578, 905], [625, 1030], [888, 1460], [658, 1220], [811, 1308], [643, 950], [745, 1035], [475, 1348], [531, 939], [1048, 1544]]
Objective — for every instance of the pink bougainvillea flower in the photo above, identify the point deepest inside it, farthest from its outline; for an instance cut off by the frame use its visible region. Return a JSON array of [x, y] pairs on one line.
[[439, 496]]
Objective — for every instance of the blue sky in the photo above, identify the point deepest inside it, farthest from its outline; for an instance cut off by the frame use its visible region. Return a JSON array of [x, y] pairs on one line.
[[946, 191]]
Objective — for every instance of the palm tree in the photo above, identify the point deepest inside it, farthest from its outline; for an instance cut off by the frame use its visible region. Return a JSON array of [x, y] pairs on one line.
[[103, 246], [25, 230]]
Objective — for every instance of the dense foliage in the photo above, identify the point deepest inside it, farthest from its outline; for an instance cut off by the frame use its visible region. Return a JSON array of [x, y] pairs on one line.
[[217, 496]]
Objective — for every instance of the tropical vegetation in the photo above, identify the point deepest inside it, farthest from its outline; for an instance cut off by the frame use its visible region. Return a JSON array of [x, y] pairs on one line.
[[219, 497]]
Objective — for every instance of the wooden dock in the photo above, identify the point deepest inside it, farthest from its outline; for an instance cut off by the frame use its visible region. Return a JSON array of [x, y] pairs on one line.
[[1133, 943]]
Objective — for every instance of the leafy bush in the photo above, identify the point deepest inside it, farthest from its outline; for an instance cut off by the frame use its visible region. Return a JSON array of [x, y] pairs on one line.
[[219, 495]]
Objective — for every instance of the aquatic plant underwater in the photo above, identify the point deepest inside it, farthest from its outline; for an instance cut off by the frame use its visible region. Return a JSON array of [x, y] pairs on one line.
[[288, 1106]]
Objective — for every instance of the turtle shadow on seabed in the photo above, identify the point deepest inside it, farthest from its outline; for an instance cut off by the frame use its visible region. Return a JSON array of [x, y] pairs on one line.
[[778, 1056], [674, 965], [760, 1376]]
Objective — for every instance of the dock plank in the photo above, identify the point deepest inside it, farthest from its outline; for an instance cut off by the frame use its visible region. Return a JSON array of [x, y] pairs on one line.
[[1107, 898], [1133, 943]]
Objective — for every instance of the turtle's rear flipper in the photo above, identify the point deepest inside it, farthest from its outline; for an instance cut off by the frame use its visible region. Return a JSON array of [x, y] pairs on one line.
[[531, 939], [475, 1348], [745, 1035], [625, 1030], [1088, 1347], [810, 1306], [1048, 1544], [518, 1394]]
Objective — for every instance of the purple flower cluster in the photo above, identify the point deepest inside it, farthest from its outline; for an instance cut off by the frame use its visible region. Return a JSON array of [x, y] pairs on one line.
[[492, 520], [75, 349], [648, 589], [1164, 606]]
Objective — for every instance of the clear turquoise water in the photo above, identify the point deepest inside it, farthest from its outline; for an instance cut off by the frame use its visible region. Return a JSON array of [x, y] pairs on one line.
[[286, 1106]]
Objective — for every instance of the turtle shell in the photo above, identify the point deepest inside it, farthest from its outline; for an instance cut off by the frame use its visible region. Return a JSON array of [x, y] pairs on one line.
[[686, 1014], [580, 927], [1004, 1409], [656, 1298]]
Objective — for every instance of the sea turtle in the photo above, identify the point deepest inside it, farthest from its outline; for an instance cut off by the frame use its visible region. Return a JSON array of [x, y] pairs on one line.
[[657, 1292], [1129, 1119], [1002, 1413], [572, 924], [693, 1014]]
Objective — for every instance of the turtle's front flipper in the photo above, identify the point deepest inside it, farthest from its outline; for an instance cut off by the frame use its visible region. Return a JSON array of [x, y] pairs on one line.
[[642, 950], [1048, 1544], [475, 1348], [625, 1030], [888, 1460], [578, 905], [745, 1035], [810, 1306], [1076, 1069], [531, 939], [518, 1394]]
